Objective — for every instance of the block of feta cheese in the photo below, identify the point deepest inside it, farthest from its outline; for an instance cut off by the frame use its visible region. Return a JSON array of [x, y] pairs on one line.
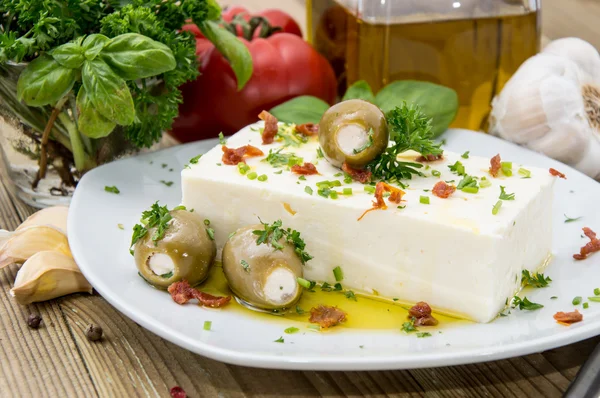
[[452, 253]]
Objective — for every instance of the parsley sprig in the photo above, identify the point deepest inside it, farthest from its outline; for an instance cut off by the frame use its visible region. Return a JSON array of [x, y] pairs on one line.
[[273, 233], [410, 129], [157, 216], [525, 304], [535, 279]]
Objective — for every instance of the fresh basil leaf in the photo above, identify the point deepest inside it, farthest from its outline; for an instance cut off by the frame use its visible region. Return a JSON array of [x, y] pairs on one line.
[[299, 110], [232, 48], [437, 102], [90, 122], [44, 81], [359, 90], [69, 55], [108, 92], [93, 44], [134, 56]]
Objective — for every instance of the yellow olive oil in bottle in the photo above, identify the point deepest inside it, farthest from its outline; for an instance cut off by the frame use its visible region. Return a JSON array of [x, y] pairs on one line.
[[472, 46]]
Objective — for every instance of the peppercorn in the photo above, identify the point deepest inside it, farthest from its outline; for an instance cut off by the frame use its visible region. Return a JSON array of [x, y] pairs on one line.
[[93, 332], [34, 320]]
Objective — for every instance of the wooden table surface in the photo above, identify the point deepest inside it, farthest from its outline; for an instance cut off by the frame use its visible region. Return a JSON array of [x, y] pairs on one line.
[[58, 361]]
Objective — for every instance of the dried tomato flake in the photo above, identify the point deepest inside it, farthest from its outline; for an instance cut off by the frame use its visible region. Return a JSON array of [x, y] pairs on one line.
[[567, 318], [430, 158], [557, 173], [379, 203], [181, 292], [234, 156], [495, 165], [592, 246], [306, 169], [362, 176], [326, 316], [271, 128], [443, 190], [421, 313], [177, 392], [308, 129]]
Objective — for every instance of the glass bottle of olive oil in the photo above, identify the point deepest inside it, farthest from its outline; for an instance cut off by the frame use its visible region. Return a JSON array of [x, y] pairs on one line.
[[472, 46]]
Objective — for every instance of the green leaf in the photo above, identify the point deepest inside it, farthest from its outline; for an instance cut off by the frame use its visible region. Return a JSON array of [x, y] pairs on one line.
[[69, 55], [93, 44], [359, 90], [133, 56], [437, 102], [299, 110], [44, 82], [233, 49], [90, 122], [108, 92]]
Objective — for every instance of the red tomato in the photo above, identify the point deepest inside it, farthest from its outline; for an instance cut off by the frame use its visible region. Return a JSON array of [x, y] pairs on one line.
[[284, 65]]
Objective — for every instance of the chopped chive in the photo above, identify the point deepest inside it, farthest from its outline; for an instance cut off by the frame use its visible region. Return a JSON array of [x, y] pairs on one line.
[[597, 291], [263, 178], [121, 226], [299, 310], [112, 189], [211, 233], [424, 200], [347, 191], [524, 172], [314, 327], [485, 183], [553, 297], [222, 139], [496, 207], [338, 274], [335, 183], [207, 325], [333, 194], [323, 184], [465, 155], [506, 168], [245, 265], [586, 305], [577, 300], [243, 168], [470, 189], [304, 283], [347, 179], [338, 174], [252, 175], [435, 173], [279, 340], [278, 172], [350, 295], [569, 219], [594, 299], [167, 183], [369, 189], [423, 334], [320, 153], [219, 164], [207, 222], [324, 192], [308, 190], [291, 330]]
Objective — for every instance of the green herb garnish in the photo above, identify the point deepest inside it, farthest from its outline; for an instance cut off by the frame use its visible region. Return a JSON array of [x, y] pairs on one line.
[[496, 207], [465, 155], [222, 139], [424, 200], [320, 153], [291, 330], [299, 310], [252, 175], [525, 304], [423, 334], [350, 295], [278, 159], [569, 219], [272, 233], [524, 172], [410, 129], [167, 183], [586, 305], [577, 300], [457, 168], [408, 327], [308, 190], [594, 299], [367, 144], [167, 275], [279, 340], [195, 159], [597, 291], [347, 191], [262, 178], [112, 189], [157, 216], [435, 173], [245, 265], [506, 196], [536, 279], [120, 226], [506, 168], [207, 325], [338, 274], [484, 183], [305, 283]]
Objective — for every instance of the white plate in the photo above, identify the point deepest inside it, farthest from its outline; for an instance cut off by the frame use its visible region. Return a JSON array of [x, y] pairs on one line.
[[101, 250]]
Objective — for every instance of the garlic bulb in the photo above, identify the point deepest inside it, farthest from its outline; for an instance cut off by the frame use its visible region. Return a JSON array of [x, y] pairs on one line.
[[552, 105]]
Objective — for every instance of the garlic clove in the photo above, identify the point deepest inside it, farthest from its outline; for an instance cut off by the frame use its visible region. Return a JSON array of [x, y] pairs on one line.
[[26, 242], [55, 216], [47, 275]]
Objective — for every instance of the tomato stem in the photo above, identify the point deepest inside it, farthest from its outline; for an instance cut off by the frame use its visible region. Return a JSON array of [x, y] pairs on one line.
[[250, 27]]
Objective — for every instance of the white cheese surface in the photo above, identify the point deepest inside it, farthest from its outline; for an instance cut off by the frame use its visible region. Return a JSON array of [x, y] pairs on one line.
[[453, 253]]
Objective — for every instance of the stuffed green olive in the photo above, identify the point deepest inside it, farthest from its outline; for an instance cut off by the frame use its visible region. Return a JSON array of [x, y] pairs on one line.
[[353, 132], [185, 252], [259, 275]]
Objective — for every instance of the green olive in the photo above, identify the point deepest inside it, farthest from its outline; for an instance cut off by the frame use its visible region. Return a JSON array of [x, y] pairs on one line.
[[185, 252], [353, 131], [259, 275]]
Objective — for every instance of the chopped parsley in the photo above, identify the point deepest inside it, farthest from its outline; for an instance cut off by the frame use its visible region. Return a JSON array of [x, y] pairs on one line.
[[535, 279], [277, 159], [245, 265], [167, 183], [167, 275], [423, 334], [350, 295], [338, 274], [195, 159], [410, 129], [506, 196], [279, 340], [291, 330], [302, 178], [299, 310], [112, 189], [569, 219], [457, 168], [222, 139], [207, 325], [594, 299], [367, 144], [164, 165], [409, 326], [288, 135], [465, 155], [156, 217], [525, 304]]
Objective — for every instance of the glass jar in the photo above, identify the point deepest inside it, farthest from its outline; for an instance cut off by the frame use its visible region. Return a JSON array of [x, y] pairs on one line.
[[472, 46]]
